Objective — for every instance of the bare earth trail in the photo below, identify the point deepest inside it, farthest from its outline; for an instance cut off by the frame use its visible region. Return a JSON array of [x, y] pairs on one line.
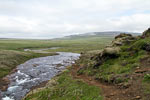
[[110, 91]]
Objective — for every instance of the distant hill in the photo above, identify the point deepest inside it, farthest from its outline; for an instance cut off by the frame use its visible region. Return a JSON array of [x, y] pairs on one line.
[[4, 38], [87, 35], [98, 34]]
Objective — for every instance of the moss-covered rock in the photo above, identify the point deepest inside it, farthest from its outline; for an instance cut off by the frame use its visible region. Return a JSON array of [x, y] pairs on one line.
[[123, 35], [122, 39], [105, 54], [111, 50]]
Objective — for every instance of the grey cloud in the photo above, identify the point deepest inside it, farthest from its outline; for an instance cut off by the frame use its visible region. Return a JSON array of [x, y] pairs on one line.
[[56, 18]]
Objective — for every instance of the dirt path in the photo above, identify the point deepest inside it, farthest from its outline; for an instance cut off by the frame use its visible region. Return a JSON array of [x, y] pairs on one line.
[[109, 91]]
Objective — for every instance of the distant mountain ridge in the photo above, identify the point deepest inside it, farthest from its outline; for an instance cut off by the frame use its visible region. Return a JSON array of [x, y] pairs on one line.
[[107, 33], [89, 34]]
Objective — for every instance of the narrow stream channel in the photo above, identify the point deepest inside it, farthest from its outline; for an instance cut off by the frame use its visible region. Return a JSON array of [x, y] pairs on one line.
[[36, 71]]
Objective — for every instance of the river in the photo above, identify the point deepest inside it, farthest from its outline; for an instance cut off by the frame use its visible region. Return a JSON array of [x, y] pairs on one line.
[[34, 72]]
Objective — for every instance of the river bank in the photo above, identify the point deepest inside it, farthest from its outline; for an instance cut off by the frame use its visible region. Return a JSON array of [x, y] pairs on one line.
[[36, 71], [9, 59]]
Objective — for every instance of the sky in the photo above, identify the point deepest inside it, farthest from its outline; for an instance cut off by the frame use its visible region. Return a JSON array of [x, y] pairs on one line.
[[44, 19]]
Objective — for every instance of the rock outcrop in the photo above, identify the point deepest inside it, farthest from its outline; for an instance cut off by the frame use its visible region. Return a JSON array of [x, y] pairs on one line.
[[146, 45], [123, 39], [107, 53], [146, 33], [113, 50]]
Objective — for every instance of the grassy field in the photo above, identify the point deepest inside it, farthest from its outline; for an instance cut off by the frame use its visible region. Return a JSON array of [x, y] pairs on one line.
[[66, 45]]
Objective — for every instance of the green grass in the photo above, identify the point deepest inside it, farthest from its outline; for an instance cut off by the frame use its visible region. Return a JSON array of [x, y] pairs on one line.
[[147, 78], [67, 88], [146, 84], [18, 44]]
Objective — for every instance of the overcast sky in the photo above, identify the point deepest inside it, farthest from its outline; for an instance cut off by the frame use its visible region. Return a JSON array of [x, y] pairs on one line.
[[56, 18]]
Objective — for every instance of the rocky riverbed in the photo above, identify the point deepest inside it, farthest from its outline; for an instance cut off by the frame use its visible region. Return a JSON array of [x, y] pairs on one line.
[[36, 71]]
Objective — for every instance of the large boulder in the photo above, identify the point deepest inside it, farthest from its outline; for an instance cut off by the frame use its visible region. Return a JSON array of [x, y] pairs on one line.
[[111, 51], [122, 39], [107, 53], [123, 35], [146, 33]]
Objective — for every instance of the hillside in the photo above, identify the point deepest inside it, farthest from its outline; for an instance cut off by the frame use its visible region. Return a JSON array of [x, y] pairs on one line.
[[121, 71]]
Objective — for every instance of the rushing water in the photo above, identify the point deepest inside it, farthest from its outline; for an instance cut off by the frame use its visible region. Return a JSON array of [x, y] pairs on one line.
[[36, 71]]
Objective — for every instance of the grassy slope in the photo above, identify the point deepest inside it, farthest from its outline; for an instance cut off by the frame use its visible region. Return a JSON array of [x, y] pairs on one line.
[[129, 59], [66, 88], [121, 65], [122, 70]]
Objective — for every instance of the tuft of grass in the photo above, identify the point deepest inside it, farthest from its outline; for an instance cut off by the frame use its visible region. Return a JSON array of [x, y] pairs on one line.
[[147, 78], [67, 88], [146, 84], [140, 44]]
